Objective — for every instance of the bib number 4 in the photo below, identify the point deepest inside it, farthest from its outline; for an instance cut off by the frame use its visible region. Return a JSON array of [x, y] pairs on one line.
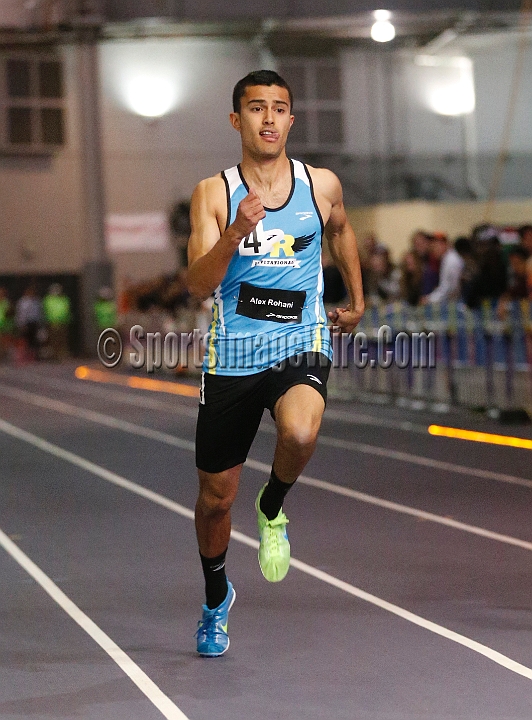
[[252, 241], [260, 241]]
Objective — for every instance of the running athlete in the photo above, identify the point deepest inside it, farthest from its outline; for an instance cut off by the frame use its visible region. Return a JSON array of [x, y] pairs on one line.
[[256, 246]]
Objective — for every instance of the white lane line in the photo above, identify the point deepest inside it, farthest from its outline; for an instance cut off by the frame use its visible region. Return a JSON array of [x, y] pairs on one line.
[[415, 459], [323, 440], [131, 669], [139, 430], [94, 390], [353, 417], [397, 507], [95, 417], [100, 392], [425, 462], [87, 465], [97, 470]]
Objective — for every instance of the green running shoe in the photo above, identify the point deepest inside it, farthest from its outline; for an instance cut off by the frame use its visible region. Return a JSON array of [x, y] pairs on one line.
[[274, 550]]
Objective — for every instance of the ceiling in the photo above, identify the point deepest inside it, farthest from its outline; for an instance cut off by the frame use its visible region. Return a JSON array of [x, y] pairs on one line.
[[247, 9], [283, 26]]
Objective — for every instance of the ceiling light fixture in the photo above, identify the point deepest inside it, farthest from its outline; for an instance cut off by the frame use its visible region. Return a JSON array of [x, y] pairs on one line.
[[382, 29], [150, 96], [382, 15], [447, 84]]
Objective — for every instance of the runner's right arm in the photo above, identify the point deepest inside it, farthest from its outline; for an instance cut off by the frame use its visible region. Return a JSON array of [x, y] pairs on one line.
[[209, 249]]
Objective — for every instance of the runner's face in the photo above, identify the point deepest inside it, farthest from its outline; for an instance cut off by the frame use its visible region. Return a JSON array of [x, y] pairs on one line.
[[264, 120]]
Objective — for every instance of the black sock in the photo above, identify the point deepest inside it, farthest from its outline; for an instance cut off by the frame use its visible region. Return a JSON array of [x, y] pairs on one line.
[[272, 498], [215, 579]]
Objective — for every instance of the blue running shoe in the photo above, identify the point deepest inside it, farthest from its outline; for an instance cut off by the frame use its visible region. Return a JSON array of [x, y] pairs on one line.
[[211, 634]]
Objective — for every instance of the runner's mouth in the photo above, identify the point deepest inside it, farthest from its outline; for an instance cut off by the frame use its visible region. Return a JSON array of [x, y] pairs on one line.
[[269, 134]]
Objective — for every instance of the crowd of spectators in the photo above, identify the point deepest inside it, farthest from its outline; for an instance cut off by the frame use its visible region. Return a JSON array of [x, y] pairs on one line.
[[35, 327], [162, 304], [434, 270], [165, 292]]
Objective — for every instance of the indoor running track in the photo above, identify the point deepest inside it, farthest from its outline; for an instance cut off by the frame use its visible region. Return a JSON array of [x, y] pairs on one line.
[[409, 598]]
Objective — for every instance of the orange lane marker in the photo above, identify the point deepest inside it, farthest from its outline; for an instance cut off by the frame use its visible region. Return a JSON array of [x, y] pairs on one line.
[[84, 373], [480, 437]]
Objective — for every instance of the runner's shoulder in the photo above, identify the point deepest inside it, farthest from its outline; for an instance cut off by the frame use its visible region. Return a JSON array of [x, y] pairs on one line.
[[211, 185], [325, 182], [210, 191]]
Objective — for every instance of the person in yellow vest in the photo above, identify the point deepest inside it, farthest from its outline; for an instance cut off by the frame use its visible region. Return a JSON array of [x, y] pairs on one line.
[[57, 315], [6, 323], [105, 309]]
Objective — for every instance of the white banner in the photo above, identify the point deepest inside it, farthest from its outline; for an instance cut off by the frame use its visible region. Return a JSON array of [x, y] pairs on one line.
[[142, 232]]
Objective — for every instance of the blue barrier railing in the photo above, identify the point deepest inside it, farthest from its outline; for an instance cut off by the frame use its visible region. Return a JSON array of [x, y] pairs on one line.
[[483, 356]]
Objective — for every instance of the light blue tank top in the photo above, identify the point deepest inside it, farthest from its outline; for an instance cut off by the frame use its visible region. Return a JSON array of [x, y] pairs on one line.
[[269, 305]]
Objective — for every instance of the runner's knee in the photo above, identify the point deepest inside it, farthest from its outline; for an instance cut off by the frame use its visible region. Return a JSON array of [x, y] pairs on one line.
[[298, 437], [217, 493]]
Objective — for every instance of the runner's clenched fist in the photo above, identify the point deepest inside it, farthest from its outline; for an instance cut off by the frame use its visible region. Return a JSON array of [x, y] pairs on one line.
[[250, 212]]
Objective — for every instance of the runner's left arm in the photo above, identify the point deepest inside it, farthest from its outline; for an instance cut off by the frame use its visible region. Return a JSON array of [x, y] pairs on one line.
[[344, 251]]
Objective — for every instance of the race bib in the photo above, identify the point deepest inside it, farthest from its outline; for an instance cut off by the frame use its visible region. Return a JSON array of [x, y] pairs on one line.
[[282, 306]]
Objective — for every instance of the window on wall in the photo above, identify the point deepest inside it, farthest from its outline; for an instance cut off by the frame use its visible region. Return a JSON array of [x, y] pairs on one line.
[[317, 87], [32, 117]]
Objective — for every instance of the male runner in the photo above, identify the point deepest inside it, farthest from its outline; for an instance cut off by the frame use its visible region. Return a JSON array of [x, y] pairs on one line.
[[256, 245]]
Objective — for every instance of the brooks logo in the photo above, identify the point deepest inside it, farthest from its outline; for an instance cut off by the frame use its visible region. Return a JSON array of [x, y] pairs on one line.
[[313, 377]]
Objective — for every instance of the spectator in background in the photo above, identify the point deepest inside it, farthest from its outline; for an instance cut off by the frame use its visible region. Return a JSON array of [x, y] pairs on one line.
[[517, 288], [371, 246], [517, 280], [174, 295], [149, 293], [126, 297], [420, 245], [525, 238], [470, 272], [492, 273], [28, 320], [451, 266], [333, 284], [57, 315], [525, 235], [6, 322], [383, 278], [105, 309], [411, 278]]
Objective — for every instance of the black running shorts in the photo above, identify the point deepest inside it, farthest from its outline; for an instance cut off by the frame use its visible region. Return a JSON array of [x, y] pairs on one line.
[[231, 407]]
